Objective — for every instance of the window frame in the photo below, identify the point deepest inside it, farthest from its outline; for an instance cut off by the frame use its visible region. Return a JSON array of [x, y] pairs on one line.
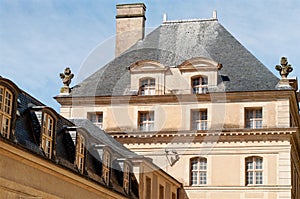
[[80, 152], [98, 115], [6, 110], [47, 138], [252, 122], [202, 123], [254, 171], [106, 166], [148, 123], [126, 177], [202, 86], [149, 89], [199, 171]]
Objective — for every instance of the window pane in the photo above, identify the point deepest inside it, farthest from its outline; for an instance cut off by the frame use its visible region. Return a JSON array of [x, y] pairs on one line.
[[258, 113], [204, 81], [249, 177], [249, 164], [259, 177], [202, 177], [258, 163]]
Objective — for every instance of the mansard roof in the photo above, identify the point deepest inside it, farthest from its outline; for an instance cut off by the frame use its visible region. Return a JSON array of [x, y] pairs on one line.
[[174, 42]]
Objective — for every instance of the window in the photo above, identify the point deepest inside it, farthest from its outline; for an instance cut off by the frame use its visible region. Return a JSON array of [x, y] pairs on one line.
[[161, 192], [198, 171], [146, 121], [6, 102], [96, 118], [173, 195], [199, 120], [253, 118], [148, 188], [147, 86], [126, 178], [47, 134], [106, 167], [80, 150], [199, 85], [254, 170]]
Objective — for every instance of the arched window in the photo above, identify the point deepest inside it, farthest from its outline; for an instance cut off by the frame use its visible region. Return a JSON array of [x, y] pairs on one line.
[[47, 134], [80, 151], [6, 105], [254, 170], [147, 86], [199, 85], [198, 171], [106, 164]]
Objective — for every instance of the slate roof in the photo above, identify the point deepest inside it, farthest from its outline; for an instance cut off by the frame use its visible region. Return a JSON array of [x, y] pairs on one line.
[[104, 138], [27, 116], [174, 42]]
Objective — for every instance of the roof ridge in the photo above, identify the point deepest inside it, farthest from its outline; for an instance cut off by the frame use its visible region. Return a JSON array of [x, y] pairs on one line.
[[187, 21]]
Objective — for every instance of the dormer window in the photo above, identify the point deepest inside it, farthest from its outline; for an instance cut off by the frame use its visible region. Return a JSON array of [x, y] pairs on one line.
[[106, 164], [6, 99], [126, 179], [199, 85], [47, 134], [80, 151], [147, 86]]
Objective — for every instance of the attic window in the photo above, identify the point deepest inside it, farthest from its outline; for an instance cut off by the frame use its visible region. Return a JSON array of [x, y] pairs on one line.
[[6, 99], [47, 134], [147, 86], [126, 179], [199, 85], [106, 164], [80, 151]]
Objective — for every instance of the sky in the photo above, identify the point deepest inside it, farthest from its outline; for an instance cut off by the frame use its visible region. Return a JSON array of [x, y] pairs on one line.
[[39, 38]]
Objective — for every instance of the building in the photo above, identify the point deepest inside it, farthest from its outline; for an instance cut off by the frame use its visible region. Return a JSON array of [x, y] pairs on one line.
[[192, 98], [44, 155]]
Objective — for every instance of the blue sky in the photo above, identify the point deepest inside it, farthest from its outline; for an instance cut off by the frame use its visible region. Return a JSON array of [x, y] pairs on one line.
[[38, 39]]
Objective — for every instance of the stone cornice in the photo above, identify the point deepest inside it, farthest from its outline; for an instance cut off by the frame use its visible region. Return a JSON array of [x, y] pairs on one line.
[[229, 135], [214, 97]]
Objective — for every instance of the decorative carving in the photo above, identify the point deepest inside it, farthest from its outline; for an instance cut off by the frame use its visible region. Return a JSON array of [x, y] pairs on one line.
[[285, 68], [66, 77]]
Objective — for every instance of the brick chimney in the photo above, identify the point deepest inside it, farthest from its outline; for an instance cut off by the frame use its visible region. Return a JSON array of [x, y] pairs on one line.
[[130, 25]]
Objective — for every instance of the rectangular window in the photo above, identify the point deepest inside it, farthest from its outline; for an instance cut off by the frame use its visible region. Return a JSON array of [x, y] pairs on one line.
[[106, 167], [254, 170], [147, 86], [146, 121], [96, 118], [199, 85], [80, 149], [199, 119], [173, 195], [6, 99], [148, 188], [47, 134], [253, 118], [126, 177], [198, 171], [161, 192]]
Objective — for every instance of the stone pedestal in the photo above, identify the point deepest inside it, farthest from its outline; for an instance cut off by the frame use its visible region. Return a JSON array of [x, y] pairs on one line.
[[284, 84], [64, 90]]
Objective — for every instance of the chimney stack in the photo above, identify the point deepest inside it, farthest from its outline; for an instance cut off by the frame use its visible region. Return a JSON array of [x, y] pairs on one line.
[[130, 25]]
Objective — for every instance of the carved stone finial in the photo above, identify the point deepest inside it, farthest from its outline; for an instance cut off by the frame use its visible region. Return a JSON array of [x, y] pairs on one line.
[[285, 68], [66, 77]]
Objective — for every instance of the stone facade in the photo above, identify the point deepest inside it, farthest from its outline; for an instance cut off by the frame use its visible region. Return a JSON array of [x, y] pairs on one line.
[[205, 110]]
